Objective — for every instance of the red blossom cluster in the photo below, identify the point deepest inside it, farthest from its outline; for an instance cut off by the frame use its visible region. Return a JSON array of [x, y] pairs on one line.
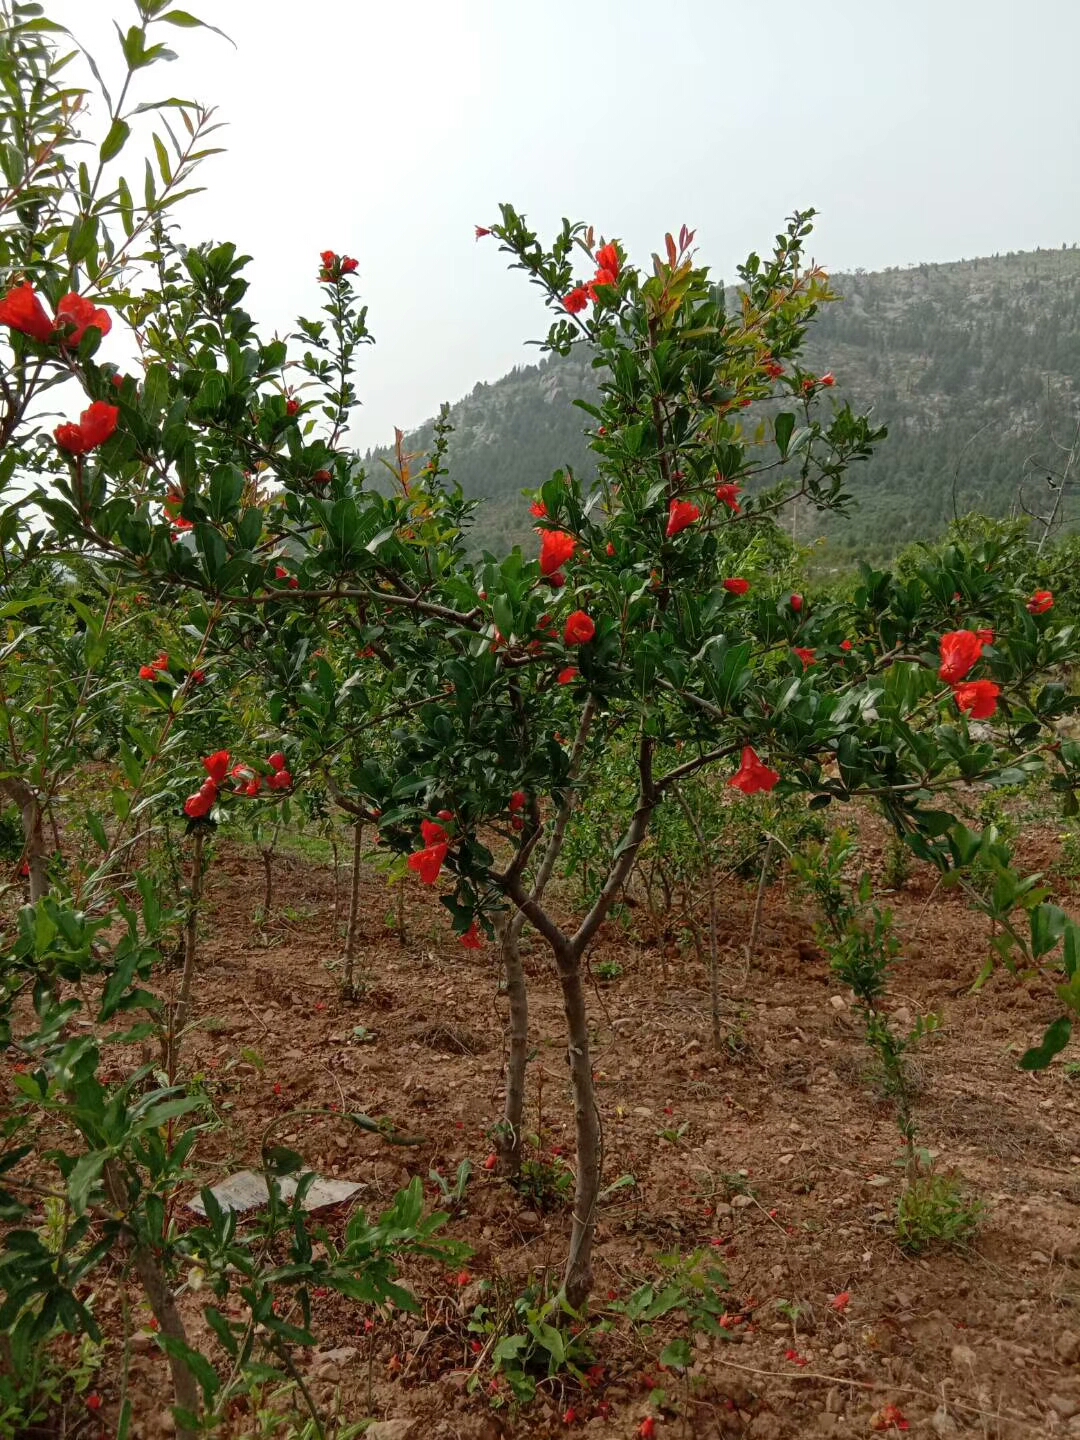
[[96, 425], [960, 653], [155, 668], [21, 310], [334, 266], [248, 781], [607, 273]]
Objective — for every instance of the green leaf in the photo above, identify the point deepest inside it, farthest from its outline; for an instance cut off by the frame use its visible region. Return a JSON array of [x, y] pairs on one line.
[[84, 1176], [1053, 1042], [678, 1354], [115, 141], [783, 426]]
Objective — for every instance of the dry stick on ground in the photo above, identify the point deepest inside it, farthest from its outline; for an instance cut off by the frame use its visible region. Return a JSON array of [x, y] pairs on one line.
[[191, 929], [714, 959], [509, 1137], [354, 911]]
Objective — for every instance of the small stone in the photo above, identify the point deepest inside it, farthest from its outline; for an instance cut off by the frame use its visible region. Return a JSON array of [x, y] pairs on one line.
[[837, 1002], [841, 1351], [943, 1422], [834, 1402], [1074, 1425], [1064, 1405], [785, 1159], [963, 1355], [643, 1112], [1067, 1347], [404, 1429], [722, 1210], [740, 1202]]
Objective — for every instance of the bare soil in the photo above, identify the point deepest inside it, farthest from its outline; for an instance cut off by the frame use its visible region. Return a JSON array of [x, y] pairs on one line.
[[779, 1161]]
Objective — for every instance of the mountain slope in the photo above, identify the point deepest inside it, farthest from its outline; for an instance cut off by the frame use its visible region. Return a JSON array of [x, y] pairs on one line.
[[971, 365]]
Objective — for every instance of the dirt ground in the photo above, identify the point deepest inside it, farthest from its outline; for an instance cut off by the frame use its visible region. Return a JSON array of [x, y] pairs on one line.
[[779, 1162]]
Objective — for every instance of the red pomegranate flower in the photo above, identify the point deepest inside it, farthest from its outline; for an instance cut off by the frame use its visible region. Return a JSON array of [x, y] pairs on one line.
[[569, 675], [607, 258], [518, 802], [986, 637], [681, 513], [796, 603], [978, 698], [348, 264], [753, 775], [840, 1302], [807, 656], [736, 586], [75, 315], [539, 509], [481, 231], [280, 780], [828, 379], [576, 301], [556, 548], [580, 628], [472, 939], [727, 494], [217, 766], [1040, 602], [280, 573], [960, 651], [845, 645], [21, 310], [277, 761], [199, 805], [773, 368], [96, 424]]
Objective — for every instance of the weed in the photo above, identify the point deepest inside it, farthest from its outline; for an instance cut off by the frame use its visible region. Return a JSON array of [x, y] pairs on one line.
[[546, 1184], [608, 970], [535, 1344], [453, 1196], [935, 1210], [693, 1284]]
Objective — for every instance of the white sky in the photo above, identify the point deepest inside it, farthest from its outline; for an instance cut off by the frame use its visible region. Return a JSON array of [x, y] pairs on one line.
[[385, 129]]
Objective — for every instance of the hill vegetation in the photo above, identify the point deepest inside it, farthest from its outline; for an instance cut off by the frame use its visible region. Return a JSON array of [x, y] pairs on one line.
[[974, 366]]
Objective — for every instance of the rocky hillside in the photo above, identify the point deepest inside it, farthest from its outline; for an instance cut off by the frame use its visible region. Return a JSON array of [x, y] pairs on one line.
[[974, 366]]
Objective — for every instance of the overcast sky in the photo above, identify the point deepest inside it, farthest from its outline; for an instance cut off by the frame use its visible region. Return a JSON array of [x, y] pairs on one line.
[[921, 129]]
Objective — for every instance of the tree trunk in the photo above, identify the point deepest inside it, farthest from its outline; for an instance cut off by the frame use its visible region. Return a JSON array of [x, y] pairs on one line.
[[509, 1139], [34, 851], [354, 911], [578, 1278], [183, 1004], [152, 1278]]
